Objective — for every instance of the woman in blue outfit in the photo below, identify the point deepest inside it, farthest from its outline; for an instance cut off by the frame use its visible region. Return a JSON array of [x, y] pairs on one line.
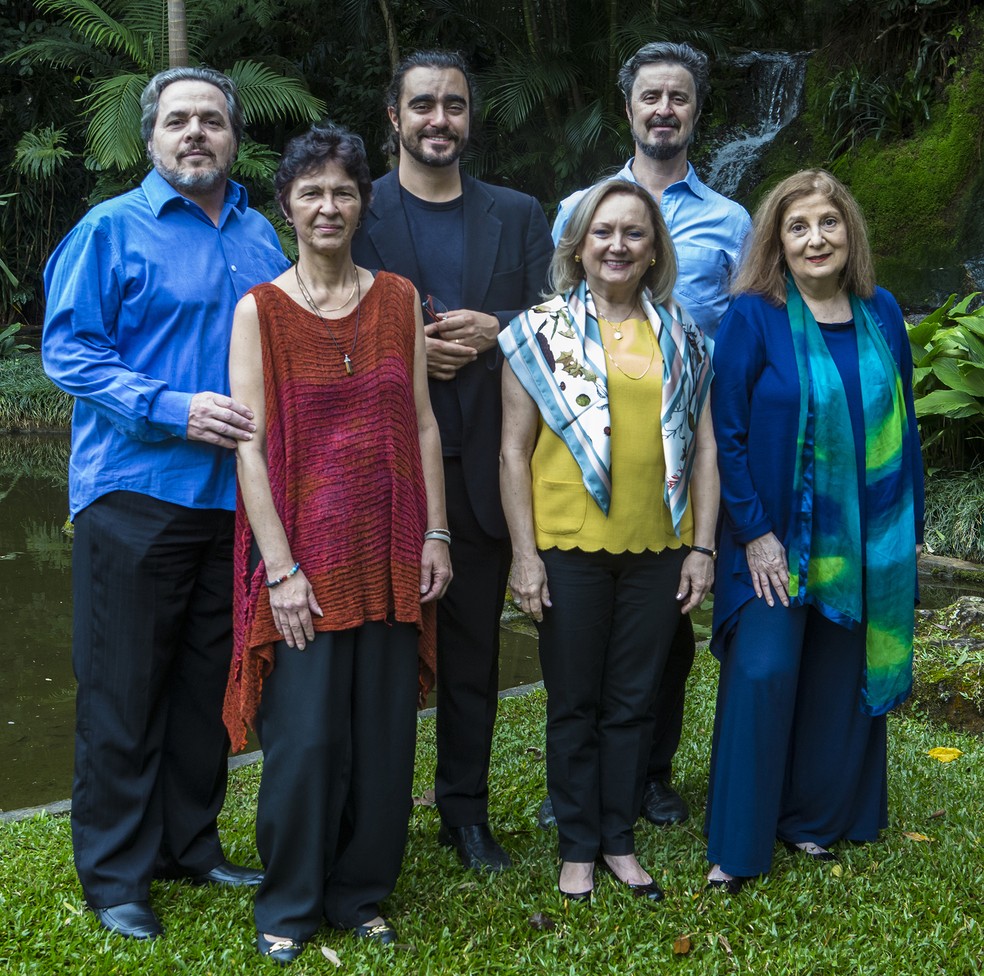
[[822, 494]]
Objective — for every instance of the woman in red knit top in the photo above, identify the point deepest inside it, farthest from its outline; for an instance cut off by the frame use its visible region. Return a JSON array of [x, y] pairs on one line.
[[342, 547]]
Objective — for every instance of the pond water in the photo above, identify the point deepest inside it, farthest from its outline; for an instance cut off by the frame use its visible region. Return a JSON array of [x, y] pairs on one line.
[[37, 693]]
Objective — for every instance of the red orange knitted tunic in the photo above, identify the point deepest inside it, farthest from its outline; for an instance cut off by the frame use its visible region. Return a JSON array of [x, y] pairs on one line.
[[343, 458]]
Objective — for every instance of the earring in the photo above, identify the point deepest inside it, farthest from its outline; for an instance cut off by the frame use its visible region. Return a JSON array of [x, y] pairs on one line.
[[577, 258], [652, 263], [290, 223]]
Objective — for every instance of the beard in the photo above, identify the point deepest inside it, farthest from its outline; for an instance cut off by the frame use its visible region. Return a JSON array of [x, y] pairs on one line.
[[663, 150], [191, 180], [425, 158]]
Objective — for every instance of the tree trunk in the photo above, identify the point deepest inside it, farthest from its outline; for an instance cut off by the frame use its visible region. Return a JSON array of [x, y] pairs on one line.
[[177, 34]]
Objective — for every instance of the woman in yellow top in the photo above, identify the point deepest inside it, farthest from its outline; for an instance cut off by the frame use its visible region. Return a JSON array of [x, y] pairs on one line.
[[609, 486]]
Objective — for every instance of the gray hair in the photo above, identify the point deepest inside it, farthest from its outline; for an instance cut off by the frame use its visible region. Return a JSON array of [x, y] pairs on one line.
[[660, 52], [151, 97]]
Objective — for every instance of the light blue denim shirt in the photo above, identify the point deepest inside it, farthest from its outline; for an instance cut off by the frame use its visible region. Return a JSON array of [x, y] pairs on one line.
[[140, 297], [708, 231]]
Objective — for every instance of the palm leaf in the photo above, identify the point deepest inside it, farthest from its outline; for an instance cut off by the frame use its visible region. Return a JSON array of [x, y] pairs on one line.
[[517, 87], [113, 106], [101, 29], [256, 163], [39, 154], [269, 97]]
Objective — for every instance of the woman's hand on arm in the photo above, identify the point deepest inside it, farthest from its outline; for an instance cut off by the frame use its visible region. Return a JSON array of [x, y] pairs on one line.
[[435, 555], [528, 579], [697, 572], [767, 564], [292, 601]]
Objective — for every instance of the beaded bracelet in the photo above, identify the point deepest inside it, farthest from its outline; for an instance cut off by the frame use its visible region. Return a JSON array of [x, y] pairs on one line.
[[290, 572], [439, 535], [705, 552]]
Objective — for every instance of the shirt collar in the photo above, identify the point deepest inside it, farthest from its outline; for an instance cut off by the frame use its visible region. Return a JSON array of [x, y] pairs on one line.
[[690, 180], [160, 193]]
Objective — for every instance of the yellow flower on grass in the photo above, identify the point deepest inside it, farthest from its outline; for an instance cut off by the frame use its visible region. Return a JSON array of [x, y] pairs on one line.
[[944, 753]]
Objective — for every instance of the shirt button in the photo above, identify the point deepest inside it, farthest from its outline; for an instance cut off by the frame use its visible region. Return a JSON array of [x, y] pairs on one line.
[[234, 268]]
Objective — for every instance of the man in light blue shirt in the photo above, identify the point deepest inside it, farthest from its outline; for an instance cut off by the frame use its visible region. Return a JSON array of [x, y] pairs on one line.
[[140, 298], [665, 85]]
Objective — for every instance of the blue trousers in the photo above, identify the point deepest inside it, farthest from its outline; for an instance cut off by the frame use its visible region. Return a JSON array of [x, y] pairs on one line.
[[792, 757]]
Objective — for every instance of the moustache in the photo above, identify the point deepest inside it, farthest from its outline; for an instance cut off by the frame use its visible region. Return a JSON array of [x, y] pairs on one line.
[[661, 122], [438, 133]]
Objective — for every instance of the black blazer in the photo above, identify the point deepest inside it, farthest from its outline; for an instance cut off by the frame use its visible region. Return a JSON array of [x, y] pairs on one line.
[[507, 251]]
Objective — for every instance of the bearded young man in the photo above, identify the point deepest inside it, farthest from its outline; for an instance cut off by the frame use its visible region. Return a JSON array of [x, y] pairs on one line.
[[140, 296], [478, 255]]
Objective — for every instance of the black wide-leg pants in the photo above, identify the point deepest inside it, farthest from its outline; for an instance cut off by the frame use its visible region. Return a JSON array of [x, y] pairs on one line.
[[337, 723], [152, 585]]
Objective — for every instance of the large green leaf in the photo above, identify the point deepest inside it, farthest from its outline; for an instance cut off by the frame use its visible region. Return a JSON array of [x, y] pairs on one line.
[[97, 25], [922, 332], [960, 376], [948, 403]]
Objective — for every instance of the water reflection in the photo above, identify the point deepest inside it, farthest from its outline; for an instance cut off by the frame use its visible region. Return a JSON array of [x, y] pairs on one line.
[[37, 694]]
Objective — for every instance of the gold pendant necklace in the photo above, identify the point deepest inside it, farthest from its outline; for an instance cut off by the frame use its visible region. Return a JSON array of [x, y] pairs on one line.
[[346, 358], [652, 350]]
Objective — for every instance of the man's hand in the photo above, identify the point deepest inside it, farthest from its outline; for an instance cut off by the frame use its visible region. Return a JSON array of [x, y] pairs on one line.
[[217, 419], [444, 358], [456, 339]]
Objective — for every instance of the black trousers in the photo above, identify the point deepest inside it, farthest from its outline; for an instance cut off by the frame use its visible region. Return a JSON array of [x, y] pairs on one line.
[[338, 724], [603, 645], [468, 659], [151, 584], [669, 701]]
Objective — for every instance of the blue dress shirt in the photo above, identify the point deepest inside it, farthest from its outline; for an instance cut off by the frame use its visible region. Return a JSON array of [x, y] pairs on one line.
[[708, 231], [140, 297]]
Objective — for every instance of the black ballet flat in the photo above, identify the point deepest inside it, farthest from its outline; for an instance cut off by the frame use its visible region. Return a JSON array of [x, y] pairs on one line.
[[820, 854], [650, 890], [281, 951], [730, 886], [581, 896], [381, 933]]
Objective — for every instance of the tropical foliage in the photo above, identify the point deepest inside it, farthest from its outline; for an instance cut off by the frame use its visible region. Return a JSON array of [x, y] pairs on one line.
[[948, 381]]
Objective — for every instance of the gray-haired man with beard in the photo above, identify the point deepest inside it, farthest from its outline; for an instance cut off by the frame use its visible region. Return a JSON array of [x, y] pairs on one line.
[[665, 86], [140, 296]]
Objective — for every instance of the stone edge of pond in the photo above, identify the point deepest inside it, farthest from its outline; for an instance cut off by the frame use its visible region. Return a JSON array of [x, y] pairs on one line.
[[60, 807]]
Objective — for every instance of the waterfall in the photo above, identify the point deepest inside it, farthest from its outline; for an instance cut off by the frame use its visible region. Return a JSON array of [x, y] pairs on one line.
[[775, 91]]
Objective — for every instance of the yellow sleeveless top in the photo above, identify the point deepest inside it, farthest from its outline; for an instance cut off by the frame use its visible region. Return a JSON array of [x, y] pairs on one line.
[[565, 516]]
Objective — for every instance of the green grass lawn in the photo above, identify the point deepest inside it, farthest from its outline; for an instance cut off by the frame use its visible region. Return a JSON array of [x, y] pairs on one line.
[[904, 905]]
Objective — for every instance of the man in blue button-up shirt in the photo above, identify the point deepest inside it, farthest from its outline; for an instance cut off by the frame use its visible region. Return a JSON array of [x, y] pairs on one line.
[[665, 85], [140, 297]]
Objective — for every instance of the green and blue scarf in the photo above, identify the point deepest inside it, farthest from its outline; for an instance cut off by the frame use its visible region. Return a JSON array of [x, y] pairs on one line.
[[826, 547]]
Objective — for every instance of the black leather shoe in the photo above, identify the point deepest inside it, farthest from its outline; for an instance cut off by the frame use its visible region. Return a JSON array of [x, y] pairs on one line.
[[545, 818], [281, 951], [576, 896], [381, 932], [134, 919], [818, 853], [662, 805], [650, 890], [475, 846], [730, 886], [229, 874]]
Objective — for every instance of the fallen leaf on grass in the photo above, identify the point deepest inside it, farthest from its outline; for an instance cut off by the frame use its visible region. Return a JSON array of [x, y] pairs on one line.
[[331, 956], [681, 945], [837, 871], [537, 754], [427, 799], [725, 944], [74, 909], [944, 754], [921, 838], [936, 814], [542, 922]]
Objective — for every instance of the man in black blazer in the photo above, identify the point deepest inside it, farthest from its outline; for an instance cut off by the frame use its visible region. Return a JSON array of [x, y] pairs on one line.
[[478, 254]]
